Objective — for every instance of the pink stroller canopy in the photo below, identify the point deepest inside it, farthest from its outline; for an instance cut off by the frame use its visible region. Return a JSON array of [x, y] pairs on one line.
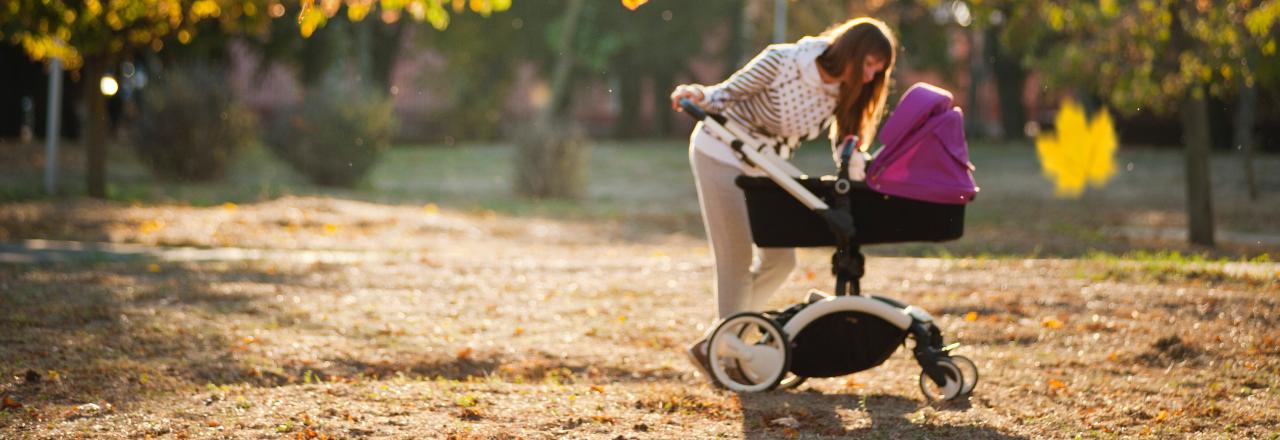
[[925, 156]]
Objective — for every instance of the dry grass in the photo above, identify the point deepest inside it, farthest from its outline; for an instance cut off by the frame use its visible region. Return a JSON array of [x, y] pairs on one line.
[[452, 324]]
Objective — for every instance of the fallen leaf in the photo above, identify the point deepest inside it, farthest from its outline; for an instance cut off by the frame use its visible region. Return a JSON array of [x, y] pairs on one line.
[[518, 331], [622, 318], [788, 422], [330, 229], [1050, 322], [464, 354], [431, 209], [1114, 356], [229, 207], [213, 423], [1055, 384], [971, 316], [1161, 416], [850, 383], [9, 402], [810, 275], [598, 388], [153, 268]]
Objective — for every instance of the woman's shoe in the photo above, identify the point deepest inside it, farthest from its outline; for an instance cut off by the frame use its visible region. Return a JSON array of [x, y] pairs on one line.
[[697, 354]]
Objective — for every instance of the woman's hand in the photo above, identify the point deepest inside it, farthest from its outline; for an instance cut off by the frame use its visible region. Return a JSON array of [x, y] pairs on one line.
[[857, 170], [686, 91]]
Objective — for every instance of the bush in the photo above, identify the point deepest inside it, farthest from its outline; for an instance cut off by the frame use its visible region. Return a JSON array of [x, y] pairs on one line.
[[335, 135], [550, 161], [190, 126]]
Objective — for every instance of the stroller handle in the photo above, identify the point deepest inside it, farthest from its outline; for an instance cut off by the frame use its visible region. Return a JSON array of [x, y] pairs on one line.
[[692, 109]]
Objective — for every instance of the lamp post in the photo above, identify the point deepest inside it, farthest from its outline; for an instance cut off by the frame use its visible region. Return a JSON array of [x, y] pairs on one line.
[[779, 21], [51, 127]]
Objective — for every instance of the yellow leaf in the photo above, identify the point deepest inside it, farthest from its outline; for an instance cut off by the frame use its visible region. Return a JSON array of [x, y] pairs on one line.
[[151, 226], [10, 403], [229, 207], [1113, 356], [1050, 322], [431, 209], [598, 388], [633, 4], [1161, 416], [1080, 152], [622, 318], [309, 19], [971, 316], [330, 229], [153, 267], [518, 331], [357, 11]]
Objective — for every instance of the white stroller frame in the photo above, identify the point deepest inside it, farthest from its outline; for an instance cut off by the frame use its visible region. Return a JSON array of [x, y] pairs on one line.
[[751, 352]]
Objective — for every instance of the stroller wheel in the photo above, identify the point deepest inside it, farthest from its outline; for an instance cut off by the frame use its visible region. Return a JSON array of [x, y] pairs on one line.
[[949, 388], [748, 352], [968, 371], [791, 381]]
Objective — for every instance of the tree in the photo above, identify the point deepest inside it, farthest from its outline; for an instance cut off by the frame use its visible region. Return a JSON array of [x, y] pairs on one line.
[[1150, 55], [90, 35]]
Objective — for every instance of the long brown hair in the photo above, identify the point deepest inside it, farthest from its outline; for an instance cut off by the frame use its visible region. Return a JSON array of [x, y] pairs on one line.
[[860, 106]]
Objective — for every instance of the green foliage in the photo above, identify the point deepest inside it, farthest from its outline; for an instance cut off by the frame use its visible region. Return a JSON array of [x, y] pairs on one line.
[[610, 44], [73, 30], [1145, 54], [336, 133], [187, 130]]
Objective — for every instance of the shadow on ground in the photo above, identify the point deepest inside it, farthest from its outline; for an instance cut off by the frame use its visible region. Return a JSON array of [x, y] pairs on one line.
[[851, 416]]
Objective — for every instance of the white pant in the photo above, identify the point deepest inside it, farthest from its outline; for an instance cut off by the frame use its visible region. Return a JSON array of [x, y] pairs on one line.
[[742, 282]]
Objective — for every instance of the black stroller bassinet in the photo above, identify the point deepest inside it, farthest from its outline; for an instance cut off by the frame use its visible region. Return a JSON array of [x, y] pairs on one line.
[[779, 220]]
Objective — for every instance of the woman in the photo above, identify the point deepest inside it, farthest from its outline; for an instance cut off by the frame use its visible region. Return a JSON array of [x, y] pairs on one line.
[[789, 93]]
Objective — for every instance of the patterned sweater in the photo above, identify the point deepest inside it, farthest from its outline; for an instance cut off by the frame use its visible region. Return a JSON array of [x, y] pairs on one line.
[[779, 94]]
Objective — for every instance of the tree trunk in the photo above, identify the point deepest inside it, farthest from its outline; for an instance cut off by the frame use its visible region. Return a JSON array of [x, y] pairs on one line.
[[977, 74], [564, 64], [1195, 137], [1246, 114], [95, 126], [1010, 78], [629, 96], [661, 95], [384, 52], [550, 156]]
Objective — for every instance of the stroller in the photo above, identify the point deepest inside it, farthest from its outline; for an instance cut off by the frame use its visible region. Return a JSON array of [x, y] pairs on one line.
[[916, 189]]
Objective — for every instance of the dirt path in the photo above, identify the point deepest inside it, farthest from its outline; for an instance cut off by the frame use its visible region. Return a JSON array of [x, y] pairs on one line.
[[471, 325]]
